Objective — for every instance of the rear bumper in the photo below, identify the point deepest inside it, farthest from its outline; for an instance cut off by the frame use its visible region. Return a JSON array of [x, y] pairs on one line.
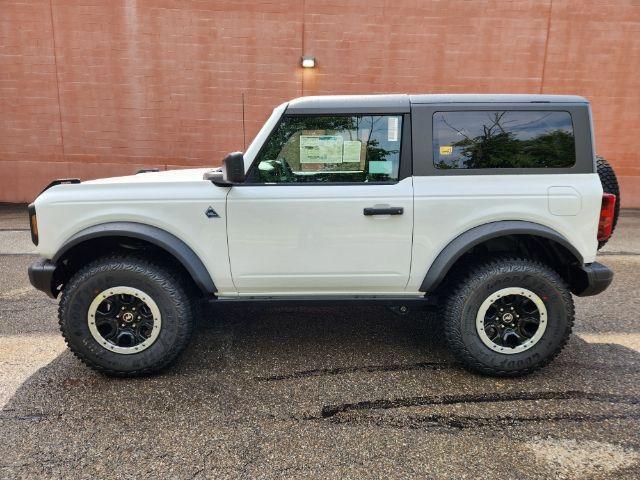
[[591, 279], [41, 274]]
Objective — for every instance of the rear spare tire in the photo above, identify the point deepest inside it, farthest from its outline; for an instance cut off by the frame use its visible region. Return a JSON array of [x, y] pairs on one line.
[[609, 185]]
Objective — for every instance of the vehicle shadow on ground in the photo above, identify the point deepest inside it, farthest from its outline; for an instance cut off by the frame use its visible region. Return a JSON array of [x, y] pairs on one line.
[[337, 350], [248, 369]]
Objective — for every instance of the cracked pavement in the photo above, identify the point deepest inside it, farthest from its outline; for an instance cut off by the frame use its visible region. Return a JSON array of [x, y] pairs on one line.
[[320, 393]]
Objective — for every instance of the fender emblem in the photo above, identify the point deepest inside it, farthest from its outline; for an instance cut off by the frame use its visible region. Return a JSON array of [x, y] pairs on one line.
[[211, 213]]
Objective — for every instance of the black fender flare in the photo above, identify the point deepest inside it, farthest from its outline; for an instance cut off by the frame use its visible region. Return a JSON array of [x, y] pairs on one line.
[[154, 235], [475, 236]]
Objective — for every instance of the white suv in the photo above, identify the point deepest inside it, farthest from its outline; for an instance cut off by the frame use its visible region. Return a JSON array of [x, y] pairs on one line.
[[490, 206]]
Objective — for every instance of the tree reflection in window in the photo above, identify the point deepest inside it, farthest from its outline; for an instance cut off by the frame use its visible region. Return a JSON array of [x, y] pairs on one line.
[[503, 139]]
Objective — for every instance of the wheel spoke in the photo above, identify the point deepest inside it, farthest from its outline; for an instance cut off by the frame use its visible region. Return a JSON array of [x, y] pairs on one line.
[[107, 327], [105, 316], [106, 308], [145, 311], [139, 334], [147, 322], [528, 326], [493, 332], [126, 338], [116, 301], [126, 299], [517, 302], [511, 339]]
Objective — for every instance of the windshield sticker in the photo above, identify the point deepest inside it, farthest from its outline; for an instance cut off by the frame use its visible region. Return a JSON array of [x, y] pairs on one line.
[[351, 151], [380, 167], [392, 129], [321, 149], [446, 150]]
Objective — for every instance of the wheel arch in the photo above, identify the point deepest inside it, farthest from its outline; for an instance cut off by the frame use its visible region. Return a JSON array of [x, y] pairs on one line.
[[464, 243], [159, 238]]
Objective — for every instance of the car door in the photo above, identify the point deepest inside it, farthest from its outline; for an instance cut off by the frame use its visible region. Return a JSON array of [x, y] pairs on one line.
[[327, 208]]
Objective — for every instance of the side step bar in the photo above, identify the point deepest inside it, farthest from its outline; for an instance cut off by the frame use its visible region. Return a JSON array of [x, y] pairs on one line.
[[329, 300]]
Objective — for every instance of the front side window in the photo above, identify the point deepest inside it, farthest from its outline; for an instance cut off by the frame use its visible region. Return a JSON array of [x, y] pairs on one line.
[[503, 139], [314, 148]]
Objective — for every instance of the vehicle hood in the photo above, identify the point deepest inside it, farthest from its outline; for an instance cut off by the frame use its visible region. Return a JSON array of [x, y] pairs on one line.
[[175, 201], [186, 175], [161, 187]]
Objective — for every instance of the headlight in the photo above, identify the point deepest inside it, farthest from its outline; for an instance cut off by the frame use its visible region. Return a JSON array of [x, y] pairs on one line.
[[33, 224]]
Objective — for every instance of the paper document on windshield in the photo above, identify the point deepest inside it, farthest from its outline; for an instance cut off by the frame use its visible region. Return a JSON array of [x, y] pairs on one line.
[[352, 150], [321, 148]]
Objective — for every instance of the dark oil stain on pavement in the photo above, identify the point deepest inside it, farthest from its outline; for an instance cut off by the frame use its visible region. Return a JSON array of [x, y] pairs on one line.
[[331, 410], [319, 372]]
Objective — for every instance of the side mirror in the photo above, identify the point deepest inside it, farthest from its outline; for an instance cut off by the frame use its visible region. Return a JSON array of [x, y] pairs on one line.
[[233, 167], [232, 171]]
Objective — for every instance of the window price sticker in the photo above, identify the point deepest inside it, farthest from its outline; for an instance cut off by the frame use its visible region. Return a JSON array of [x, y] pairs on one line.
[[321, 149], [392, 129], [351, 152], [380, 167]]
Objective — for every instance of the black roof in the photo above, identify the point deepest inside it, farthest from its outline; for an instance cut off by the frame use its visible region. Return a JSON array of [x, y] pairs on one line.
[[401, 103]]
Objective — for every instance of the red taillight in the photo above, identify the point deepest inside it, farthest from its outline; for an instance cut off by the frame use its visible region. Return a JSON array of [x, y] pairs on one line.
[[605, 225]]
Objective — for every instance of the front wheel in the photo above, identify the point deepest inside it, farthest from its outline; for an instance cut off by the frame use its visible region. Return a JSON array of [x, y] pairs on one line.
[[126, 316], [508, 317]]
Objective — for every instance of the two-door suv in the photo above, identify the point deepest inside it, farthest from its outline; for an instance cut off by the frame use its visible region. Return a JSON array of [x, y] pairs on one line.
[[488, 206]]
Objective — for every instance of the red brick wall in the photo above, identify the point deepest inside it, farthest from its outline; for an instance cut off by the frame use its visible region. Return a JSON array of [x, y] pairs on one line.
[[94, 88]]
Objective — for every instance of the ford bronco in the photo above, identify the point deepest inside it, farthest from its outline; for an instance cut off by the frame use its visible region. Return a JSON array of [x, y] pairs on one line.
[[489, 207]]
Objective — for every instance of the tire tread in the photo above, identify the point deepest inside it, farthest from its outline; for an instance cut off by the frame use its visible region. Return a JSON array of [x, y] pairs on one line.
[[463, 288], [166, 277]]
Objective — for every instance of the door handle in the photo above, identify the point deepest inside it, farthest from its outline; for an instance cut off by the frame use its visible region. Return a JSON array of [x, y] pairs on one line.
[[383, 211]]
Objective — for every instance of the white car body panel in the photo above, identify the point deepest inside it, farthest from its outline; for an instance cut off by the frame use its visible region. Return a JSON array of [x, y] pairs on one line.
[[174, 201], [446, 207], [315, 239]]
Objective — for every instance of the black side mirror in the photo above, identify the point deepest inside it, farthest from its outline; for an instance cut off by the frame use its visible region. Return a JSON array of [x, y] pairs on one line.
[[232, 171], [233, 167]]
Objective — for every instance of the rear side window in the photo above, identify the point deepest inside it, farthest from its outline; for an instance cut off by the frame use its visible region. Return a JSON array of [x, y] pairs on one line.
[[503, 139]]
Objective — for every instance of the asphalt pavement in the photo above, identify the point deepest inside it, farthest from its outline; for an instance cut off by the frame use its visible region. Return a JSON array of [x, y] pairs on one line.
[[320, 393]]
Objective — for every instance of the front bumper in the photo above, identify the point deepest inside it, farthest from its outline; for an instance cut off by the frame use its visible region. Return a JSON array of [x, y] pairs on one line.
[[41, 273], [591, 279]]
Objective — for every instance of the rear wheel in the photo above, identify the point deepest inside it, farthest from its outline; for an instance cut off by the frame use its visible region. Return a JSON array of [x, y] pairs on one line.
[[508, 317], [126, 316], [609, 185]]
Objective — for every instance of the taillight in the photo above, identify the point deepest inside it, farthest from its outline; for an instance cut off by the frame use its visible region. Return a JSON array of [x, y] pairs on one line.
[[607, 212], [33, 224]]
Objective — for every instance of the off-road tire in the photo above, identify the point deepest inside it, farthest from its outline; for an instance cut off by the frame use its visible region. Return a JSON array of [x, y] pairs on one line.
[[169, 289], [609, 183], [478, 284]]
